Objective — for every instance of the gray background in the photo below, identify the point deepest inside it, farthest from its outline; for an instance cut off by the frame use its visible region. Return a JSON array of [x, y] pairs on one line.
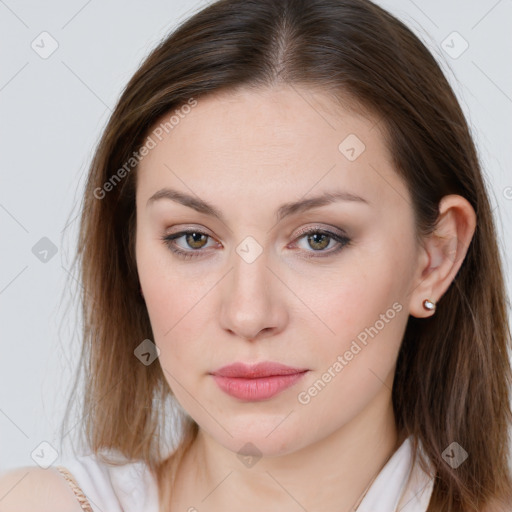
[[52, 111]]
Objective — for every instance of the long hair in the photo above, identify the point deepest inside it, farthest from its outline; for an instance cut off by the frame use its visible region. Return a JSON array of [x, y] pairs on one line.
[[453, 373]]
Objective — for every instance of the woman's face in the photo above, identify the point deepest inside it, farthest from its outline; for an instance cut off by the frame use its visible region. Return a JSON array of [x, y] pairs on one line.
[[253, 286]]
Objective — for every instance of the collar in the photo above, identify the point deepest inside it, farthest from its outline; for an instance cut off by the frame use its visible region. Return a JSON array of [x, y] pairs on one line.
[[399, 486]]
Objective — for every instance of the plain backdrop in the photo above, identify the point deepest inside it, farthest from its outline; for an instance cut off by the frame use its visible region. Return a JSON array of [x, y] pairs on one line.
[[52, 110]]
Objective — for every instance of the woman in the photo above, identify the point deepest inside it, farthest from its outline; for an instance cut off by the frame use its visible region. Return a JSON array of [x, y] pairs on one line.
[[286, 240]]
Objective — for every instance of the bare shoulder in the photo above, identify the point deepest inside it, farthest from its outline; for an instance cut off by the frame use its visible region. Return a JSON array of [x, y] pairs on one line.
[[37, 490]]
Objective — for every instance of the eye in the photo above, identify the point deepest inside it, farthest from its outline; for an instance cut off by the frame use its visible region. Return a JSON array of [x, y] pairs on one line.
[[320, 239], [317, 239], [194, 239]]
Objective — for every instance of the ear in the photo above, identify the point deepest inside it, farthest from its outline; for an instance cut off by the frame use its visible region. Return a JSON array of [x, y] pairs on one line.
[[442, 253]]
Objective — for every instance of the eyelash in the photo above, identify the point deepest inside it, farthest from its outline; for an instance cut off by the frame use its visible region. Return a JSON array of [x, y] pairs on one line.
[[169, 241]]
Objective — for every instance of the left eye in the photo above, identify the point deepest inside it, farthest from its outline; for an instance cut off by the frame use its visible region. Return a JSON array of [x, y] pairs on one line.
[[318, 240]]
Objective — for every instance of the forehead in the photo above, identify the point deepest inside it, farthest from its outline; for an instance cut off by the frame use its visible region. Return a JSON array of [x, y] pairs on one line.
[[268, 141]]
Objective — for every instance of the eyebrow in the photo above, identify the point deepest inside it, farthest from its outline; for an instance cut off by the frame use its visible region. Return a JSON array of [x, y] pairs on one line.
[[283, 211]]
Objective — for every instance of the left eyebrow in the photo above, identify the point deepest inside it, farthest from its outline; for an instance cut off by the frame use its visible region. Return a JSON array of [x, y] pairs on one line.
[[283, 211], [315, 202]]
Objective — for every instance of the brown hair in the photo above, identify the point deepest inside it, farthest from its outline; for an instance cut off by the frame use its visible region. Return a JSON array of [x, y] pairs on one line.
[[453, 372]]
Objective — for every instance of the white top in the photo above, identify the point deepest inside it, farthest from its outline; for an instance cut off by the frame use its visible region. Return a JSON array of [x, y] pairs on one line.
[[131, 487]]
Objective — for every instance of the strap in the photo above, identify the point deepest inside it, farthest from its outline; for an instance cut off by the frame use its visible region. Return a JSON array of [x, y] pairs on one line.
[[84, 503]]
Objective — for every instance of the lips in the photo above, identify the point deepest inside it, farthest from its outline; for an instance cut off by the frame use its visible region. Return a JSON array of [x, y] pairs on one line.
[[256, 382], [265, 369]]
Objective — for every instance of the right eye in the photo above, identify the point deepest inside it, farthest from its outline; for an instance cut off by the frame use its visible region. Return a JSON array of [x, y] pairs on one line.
[[194, 238]]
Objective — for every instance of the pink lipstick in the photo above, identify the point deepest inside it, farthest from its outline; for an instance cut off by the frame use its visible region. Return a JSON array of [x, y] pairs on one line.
[[256, 382]]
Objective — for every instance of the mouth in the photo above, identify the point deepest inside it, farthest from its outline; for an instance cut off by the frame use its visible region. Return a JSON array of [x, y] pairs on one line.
[[257, 382]]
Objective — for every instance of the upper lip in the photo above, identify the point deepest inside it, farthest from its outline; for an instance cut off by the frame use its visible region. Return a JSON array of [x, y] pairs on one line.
[[254, 371]]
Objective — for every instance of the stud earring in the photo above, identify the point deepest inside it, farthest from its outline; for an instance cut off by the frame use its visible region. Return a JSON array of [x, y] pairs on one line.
[[429, 305]]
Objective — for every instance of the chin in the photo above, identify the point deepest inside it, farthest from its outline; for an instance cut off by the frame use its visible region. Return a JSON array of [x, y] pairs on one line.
[[260, 437]]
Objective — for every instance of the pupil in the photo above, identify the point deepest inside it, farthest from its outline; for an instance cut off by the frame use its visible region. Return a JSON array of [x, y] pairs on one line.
[[196, 239], [314, 239]]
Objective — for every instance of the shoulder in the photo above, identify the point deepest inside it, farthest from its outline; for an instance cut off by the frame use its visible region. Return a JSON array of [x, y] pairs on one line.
[[123, 486], [36, 489], [126, 486]]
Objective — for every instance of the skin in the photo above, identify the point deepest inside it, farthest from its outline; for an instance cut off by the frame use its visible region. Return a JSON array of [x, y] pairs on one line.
[[247, 153]]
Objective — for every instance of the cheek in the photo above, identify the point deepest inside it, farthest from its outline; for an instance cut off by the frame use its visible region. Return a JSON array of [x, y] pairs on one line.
[[169, 289], [176, 316], [356, 363], [367, 328], [353, 296], [363, 305], [165, 296]]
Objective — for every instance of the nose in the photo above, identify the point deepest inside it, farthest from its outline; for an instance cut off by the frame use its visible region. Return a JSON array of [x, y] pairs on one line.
[[253, 304]]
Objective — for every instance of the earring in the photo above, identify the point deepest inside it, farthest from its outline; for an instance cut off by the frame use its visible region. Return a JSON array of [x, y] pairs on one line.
[[429, 305]]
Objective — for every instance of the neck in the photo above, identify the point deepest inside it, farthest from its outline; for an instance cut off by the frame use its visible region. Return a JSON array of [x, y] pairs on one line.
[[331, 474]]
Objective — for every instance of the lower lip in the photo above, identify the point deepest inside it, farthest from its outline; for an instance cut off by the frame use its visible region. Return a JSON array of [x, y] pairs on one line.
[[252, 390]]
